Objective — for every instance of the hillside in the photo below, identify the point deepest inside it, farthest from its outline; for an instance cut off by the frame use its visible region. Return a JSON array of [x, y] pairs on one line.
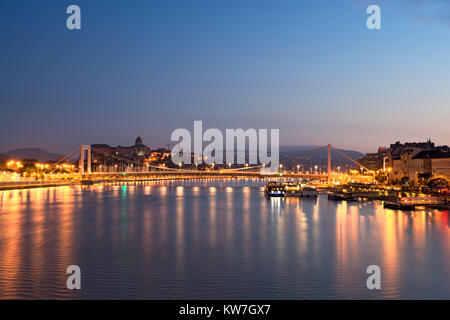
[[32, 153], [301, 155]]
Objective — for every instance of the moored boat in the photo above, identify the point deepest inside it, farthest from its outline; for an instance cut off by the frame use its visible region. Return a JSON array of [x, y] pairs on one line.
[[410, 203], [309, 192], [398, 206], [87, 182], [274, 189], [292, 189]]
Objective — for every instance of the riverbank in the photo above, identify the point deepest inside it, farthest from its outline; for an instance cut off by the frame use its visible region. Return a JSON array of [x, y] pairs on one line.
[[393, 202], [30, 185], [22, 186]]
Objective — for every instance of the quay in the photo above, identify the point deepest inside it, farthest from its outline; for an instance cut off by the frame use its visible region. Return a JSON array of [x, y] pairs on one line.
[[391, 201], [21, 186]]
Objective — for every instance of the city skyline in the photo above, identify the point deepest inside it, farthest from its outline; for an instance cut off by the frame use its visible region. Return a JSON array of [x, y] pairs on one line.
[[312, 70]]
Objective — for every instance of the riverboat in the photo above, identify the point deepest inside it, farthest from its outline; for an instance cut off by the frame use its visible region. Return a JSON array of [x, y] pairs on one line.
[[274, 189]]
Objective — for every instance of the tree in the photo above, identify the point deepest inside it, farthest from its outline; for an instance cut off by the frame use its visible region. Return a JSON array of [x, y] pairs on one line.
[[438, 183], [394, 182], [423, 178], [381, 178], [29, 168], [404, 181]]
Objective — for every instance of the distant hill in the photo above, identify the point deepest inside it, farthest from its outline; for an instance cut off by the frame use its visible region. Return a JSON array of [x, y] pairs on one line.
[[303, 156], [32, 153], [3, 158], [292, 156], [287, 152]]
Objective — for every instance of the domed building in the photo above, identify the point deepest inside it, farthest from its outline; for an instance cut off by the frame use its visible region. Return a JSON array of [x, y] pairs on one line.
[[138, 142], [107, 155], [141, 149]]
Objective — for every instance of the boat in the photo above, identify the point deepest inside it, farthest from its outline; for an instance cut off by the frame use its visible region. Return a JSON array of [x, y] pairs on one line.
[[289, 189], [411, 203], [398, 206], [292, 189], [87, 182], [341, 196], [274, 189], [309, 192]]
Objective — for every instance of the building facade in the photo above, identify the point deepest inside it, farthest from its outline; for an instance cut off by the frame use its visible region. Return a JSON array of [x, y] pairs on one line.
[[103, 154], [413, 160], [375, 161], [441, 165]]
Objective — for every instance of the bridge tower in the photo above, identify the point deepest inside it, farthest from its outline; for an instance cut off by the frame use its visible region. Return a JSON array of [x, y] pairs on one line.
[[85, 148], [329, 162]]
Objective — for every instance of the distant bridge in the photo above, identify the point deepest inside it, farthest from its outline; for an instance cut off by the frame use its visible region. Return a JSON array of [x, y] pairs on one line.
[[130, 168]]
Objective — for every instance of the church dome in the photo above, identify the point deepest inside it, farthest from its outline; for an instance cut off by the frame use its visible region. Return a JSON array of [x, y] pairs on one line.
[[138, 142]]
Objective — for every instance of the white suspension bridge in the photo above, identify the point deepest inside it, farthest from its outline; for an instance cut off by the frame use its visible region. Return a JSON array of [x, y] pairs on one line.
[[124, 167]]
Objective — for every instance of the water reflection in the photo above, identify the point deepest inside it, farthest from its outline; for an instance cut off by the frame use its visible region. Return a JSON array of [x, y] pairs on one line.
[[215, 239]]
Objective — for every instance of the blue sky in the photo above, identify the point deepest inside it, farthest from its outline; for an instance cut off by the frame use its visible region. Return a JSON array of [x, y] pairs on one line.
[[310, 68]]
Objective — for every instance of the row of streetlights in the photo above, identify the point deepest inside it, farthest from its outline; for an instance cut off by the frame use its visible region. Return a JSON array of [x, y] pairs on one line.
[[315, 168], [180, 164]]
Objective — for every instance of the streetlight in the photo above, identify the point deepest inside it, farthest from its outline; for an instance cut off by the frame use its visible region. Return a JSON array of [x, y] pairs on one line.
[[315, 167], [298, 168]]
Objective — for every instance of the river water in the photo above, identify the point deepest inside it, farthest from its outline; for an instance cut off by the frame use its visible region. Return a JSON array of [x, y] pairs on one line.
[[215, 239]]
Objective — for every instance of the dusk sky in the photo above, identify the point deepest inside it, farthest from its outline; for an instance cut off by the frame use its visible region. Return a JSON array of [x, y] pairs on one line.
[[310, 68]]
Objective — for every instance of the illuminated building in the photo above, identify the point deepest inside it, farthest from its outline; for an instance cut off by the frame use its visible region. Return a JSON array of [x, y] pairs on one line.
[[107, 155]]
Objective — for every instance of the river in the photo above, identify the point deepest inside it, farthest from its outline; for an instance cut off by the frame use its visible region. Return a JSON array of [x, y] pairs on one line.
[[215, 239]]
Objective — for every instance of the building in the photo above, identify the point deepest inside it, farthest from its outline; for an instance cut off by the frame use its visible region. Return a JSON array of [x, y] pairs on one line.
[[401, 158], [406, 164], [413, 160], [375, 161], [159, 155], [103, 154], [440, 164]]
